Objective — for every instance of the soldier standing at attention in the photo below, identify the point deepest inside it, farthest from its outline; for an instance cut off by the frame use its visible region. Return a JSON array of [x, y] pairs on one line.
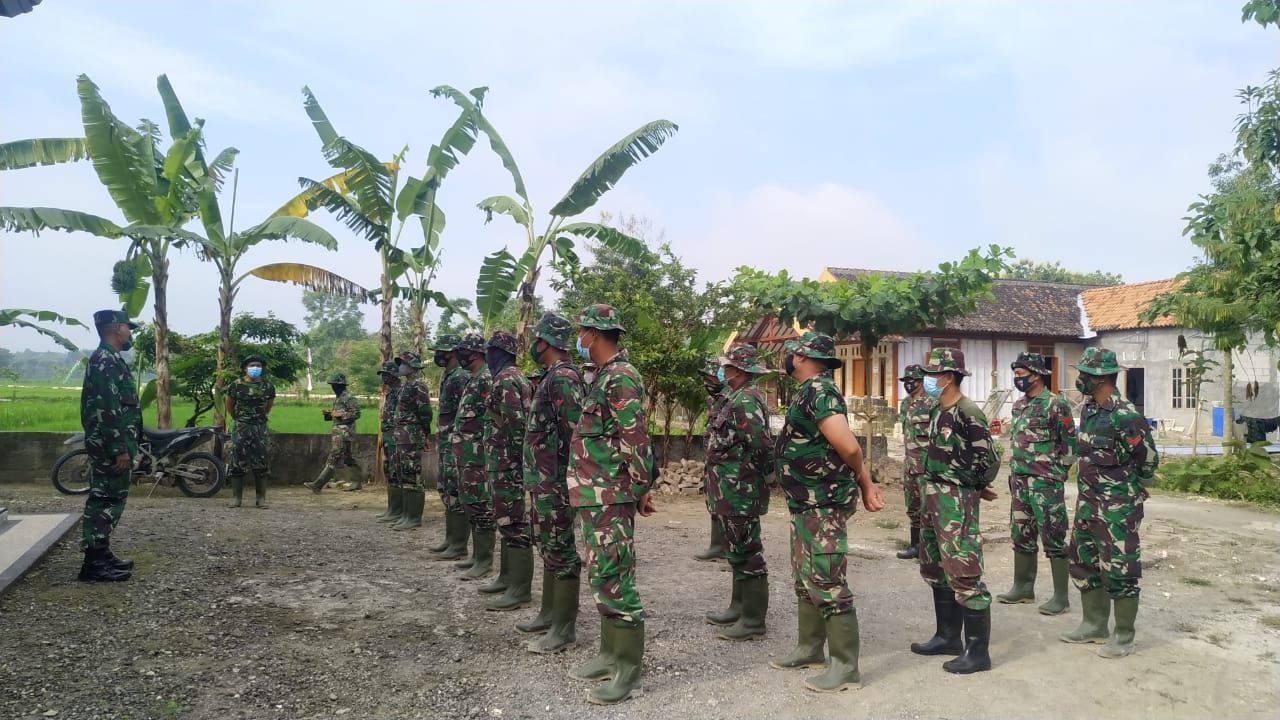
[[452, 383], [248, 401], [611, 471], [412, 428], [960, 464], [913, 414], [1117, 459], [820, 469], [345, 412], [715, 551], [1044, 439], [504, 452], [739, 463], [557, 404], [390, 376], [112, 422], [468, 452]]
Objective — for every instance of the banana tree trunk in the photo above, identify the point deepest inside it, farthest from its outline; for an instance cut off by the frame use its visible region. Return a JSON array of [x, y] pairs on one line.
[[160, 280], [384, 346], [416, 310], [1228, 422], [225, 299]]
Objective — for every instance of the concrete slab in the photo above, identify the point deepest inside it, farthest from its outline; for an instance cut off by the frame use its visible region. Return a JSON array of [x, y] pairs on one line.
[[24, 539]]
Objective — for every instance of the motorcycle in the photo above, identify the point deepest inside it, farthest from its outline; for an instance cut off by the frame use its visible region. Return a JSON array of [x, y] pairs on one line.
[[162, 457]]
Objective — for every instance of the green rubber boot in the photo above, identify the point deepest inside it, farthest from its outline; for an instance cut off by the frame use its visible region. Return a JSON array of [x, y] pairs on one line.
[[1093, 628], [323, 479], [1024, 580], [414, 500], [260, 489], [500, 583], [448, 534], [1120, 643], [563, 632], [843, 641], [600, 667], [755, 606], [237, 491], [542, 621], [729, 615], [810, 639], [458, 538], [482, 557], [1059, 603], [715, 552], [395, 505], [628, 654], [519, 593], [357, 478]]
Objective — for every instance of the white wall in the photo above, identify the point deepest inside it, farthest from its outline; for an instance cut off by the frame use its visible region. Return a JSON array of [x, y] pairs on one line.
[[977, 360]]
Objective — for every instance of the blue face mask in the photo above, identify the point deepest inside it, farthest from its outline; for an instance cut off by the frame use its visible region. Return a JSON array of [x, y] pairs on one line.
[[254, 371], [931, 386], [720, 375], [586, 354]]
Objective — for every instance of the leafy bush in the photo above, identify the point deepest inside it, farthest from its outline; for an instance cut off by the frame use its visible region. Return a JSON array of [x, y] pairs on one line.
[[1247, 474]]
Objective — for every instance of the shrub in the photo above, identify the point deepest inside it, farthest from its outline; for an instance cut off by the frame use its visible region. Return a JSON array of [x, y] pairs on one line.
[[1247, 474]]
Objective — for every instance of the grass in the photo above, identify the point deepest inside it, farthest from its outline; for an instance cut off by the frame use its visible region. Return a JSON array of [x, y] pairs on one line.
[[888, 524], [1197, 581], [1183, 626], [1271, 621]]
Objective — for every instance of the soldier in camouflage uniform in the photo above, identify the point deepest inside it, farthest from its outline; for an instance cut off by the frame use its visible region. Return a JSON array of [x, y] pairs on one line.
[[248, 401], [452, 383], [112, 421], [715, 551], [345, 412], [390, 376], [820, 468], [611, 471], [1044, 439], [1117, 459], [412, 428], [557, 404], [913, 414], [960, 463], [474, 492], [739, 463], [504, 452]]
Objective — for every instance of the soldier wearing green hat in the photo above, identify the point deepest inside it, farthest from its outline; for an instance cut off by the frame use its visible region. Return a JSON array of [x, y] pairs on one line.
[[508, 406], [248, 401], [454, 380], [1117, 459], [345, 412], [389, 374], [474, 493], [412, 427], [913, 415]]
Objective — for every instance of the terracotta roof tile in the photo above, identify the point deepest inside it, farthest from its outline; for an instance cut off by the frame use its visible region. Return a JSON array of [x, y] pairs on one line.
[[1118, 307]]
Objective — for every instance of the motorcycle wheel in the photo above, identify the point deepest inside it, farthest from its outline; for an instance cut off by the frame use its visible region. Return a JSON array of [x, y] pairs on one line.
[[71, 473], [200, 474]]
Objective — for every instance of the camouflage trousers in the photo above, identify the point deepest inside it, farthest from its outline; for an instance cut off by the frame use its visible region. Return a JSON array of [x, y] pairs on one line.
[[552, 521], [474, 496], [342, 440], [608, 532], [913, 496], [508, 507], [406, 467], [1037, 510], [819, 542], [447, 482], [743, 547], [951, 543], [250, 450], [388, 466], [1105, 549], [108, 492]]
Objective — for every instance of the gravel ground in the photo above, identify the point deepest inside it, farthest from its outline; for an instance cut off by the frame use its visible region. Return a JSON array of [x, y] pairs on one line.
[[312, 610]]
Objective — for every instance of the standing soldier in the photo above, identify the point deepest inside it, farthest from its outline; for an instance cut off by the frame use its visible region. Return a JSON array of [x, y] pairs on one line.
[[248, 402], [504, 451], [1117, 459], [1044, 439], [913, 413], [960, 464], [557, 404], [452, 383], [112, 422], [468, 452], [345, 412], [390, 376], [711, 372], [611, 471], [818, 459], [412, 428], [739, 461]]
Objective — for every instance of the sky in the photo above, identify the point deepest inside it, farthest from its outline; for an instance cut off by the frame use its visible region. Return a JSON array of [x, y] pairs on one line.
[[891, 135]]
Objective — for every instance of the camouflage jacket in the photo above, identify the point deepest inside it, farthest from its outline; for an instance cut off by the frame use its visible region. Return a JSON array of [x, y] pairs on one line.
[[714, 403], [507, 406], [109, 410], [739, 454], [413, 413], [346, 409], [251, 400], [960, 450], [810, 471], [913, 415], [557, 404], [451, 387], [387, 420], [1044, 437], [468, 424], [611, 459], [1117, 454]]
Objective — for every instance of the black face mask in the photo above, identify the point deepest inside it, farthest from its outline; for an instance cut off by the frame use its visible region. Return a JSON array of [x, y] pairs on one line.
[[911, 386], [338, 389], [441, 358], [789, 364], [1023, 382], [498, 360]]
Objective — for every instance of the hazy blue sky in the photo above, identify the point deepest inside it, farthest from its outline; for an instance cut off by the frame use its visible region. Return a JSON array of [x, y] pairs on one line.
[[888, 135]]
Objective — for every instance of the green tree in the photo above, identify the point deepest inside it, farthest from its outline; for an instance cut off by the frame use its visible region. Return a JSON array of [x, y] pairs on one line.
[[331, 320], [1263, 12], [1025, 269], [453, 318], [14, 318]]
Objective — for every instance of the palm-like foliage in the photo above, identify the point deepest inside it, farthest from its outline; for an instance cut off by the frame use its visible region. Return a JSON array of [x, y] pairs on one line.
[[14, 318]]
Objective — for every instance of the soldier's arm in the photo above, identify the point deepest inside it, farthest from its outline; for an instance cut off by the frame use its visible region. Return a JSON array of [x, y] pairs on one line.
[[229, 402], [981, 454], [423, 411], [753, 421], [1067, 444], [271, 396], [112, 429], [633, 437], [1143, 456]]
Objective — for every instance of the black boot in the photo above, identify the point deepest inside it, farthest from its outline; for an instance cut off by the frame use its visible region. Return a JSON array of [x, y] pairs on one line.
[[97, 568], [950, 617], [115, 562], [912, 552], [977, 635]]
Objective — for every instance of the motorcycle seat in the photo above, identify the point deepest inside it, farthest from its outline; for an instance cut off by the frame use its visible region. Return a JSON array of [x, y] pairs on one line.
[[158, 434]]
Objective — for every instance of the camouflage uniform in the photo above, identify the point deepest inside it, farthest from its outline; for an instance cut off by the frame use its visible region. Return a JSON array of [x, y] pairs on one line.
[[451, 387], [468, 442], [387, 423], [250, 439], [346, 410], [557, 404], [412, 426], [1043, 440], [717, 549], [112, 421], [913, 415], [508, 404]]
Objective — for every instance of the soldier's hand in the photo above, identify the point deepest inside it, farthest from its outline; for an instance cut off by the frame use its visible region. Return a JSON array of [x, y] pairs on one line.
[[873, 499], [987, 494], [645, 505], [122, 462], [328, 414]]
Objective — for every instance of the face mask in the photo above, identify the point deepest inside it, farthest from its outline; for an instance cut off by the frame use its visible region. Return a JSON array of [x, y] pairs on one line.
[[789, 364], [403, 369], [497, 360], [338, 389], [584, 352], [1022, 382], [127, 346], [911, 386], [720, 375], [534, 353], [931, 387], [1086, 384], [255, 371], [441, 359]]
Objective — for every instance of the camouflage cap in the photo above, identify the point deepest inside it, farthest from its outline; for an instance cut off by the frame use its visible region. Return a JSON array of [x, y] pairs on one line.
[[389, 367], [471, 342], [252, 358], [711, 366], [1098, 361], [1033, 362], [555, 330], [338, 379], [410, 358], [600, 317], [945, 359], [913, 372], [108, 317], [446, 342], [816, 346], [504, 341], [744, 357]]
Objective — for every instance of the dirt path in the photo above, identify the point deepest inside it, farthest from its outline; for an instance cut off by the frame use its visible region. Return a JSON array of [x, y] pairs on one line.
[[311, 610]]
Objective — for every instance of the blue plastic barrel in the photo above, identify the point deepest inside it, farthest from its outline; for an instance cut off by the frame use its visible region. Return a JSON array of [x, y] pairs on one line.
[[1217, 420]]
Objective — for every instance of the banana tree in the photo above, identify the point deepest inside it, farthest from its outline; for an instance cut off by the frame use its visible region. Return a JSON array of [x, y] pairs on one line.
[[14, 318], [502, 274]]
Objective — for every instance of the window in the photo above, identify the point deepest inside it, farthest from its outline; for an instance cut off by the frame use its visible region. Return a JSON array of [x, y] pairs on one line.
[[1047, 351], [1184, 392]]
